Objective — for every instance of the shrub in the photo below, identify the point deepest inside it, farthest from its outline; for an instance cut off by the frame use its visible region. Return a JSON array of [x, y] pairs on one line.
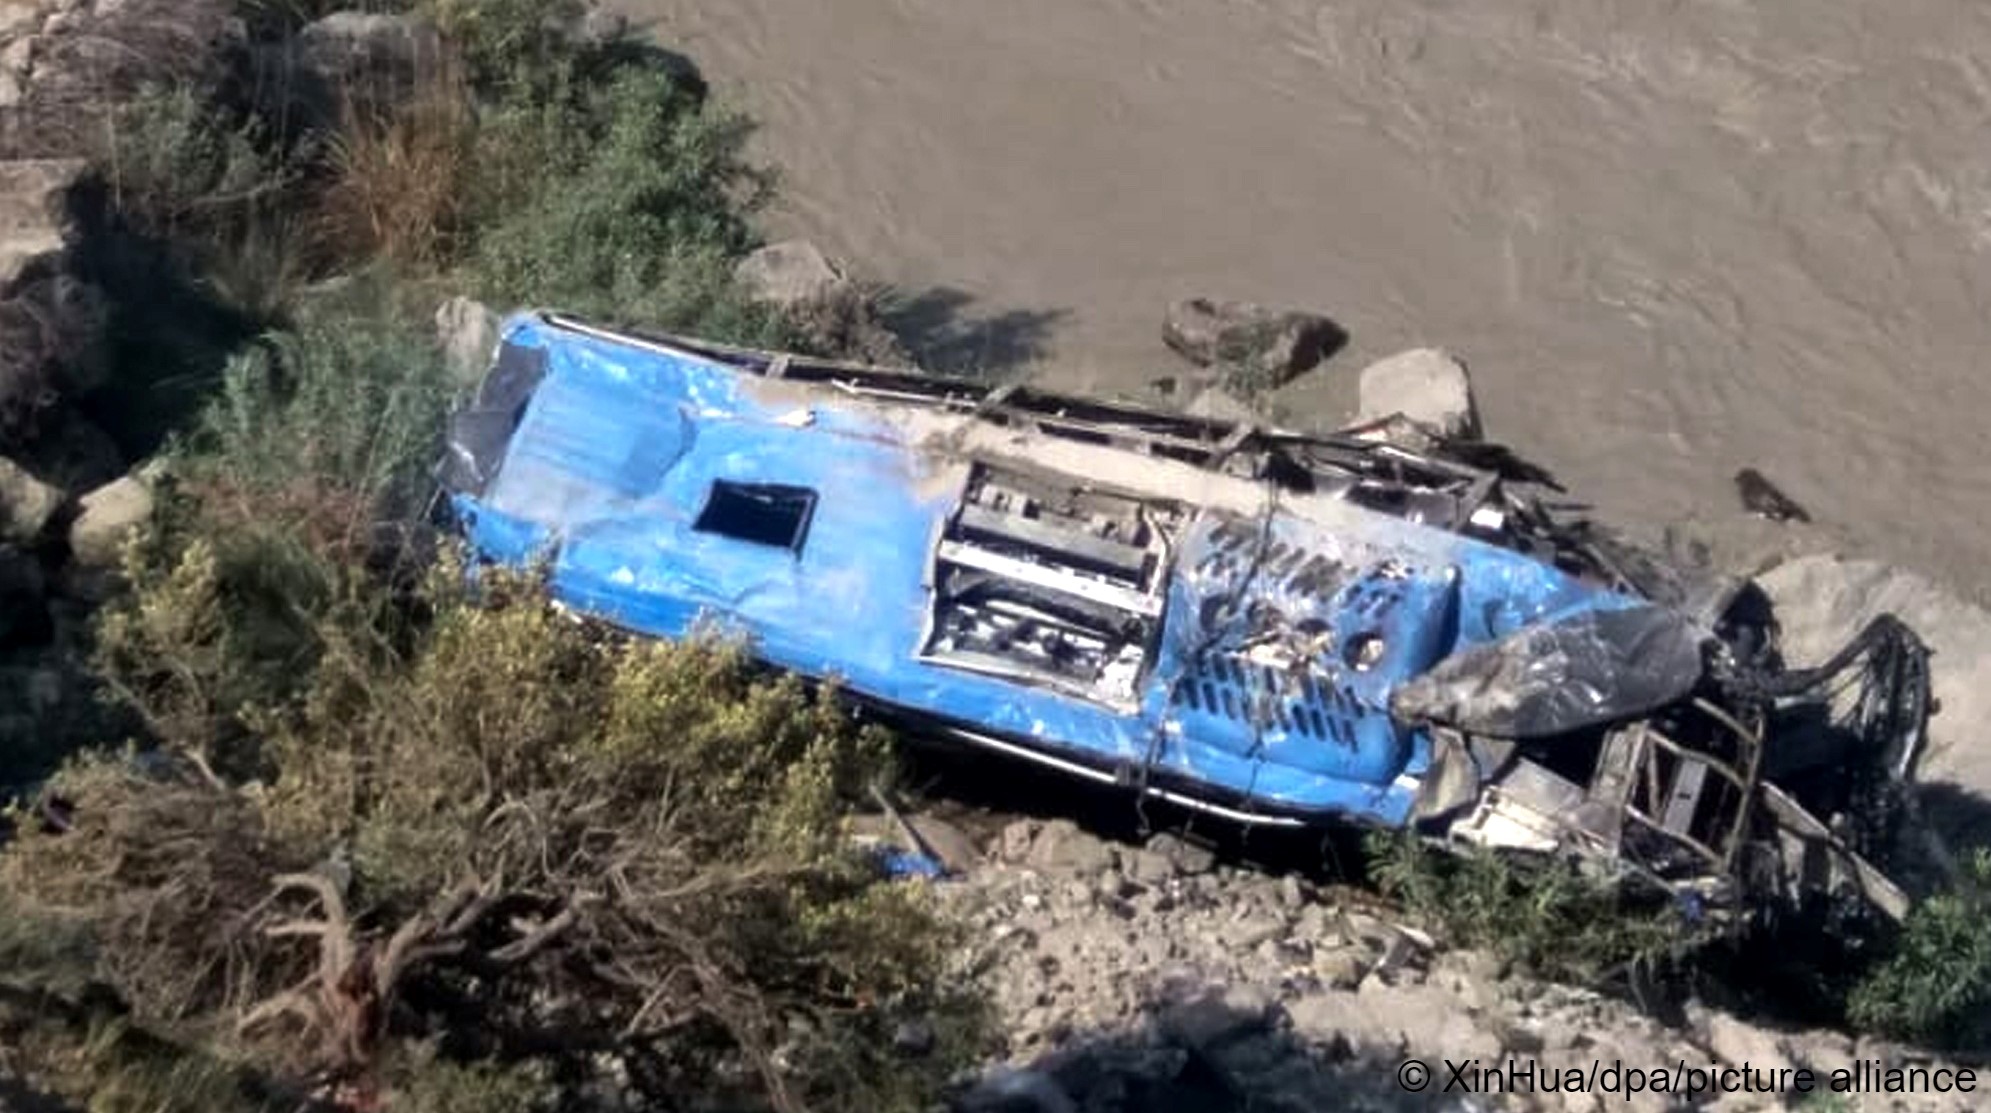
[[1936, 984], [544, 835], [397, 178], [1545, 917], [627, 201]]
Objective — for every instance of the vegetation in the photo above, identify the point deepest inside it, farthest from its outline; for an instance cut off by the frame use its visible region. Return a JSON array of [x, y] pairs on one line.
[[1548, 918], [1935, 986], [390, 836]]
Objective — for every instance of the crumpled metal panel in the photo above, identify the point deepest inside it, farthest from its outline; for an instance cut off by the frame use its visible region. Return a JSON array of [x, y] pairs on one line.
[[1554, 678], [1281, 645]]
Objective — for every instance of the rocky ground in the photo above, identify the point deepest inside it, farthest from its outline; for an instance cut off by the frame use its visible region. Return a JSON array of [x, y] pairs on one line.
[[1151, 977]]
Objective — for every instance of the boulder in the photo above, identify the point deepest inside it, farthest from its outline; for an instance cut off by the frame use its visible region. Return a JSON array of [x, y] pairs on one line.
[[26, 503], [34, 212], [1252, 347], [1737, 1042], [1427, 385], [791, 274], [1215, 404], [106, 516], [364, 59], [1063, 847], [814, 292], [18, 17], [467, 331]]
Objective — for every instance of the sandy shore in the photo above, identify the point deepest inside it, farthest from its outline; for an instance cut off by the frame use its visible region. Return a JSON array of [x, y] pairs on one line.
[[1671, 240]]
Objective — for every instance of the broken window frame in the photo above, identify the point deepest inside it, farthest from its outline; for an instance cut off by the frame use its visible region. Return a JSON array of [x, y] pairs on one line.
[[1063, 580], [726, 497]]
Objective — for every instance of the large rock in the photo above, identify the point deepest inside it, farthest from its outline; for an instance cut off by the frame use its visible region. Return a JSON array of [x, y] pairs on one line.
[[1253, 347], [792, 273], [34, 212], [1821, 601], [467, 330], [819, 297], [365, 60], [1427, 385], [106, 517], [1216, 404], [26, 503]]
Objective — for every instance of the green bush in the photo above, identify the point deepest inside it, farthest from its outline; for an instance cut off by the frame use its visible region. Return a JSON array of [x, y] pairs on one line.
[[1935, 986], [627, 201], [1546, 918]]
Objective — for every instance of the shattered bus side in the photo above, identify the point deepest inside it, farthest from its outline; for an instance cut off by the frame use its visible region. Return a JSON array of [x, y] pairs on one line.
[[1272, 627]]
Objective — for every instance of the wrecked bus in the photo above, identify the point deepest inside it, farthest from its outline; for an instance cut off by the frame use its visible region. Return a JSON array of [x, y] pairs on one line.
[[1370, 627]]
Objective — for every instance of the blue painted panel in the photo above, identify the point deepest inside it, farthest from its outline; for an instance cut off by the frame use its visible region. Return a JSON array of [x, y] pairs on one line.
[[622, 442]]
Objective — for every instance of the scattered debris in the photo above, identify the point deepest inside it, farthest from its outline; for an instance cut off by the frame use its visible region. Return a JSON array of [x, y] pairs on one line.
[[1765, 499], [1251, 347]]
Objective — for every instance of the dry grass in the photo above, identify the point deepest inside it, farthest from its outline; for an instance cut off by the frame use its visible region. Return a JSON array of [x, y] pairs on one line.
[[398, 176]]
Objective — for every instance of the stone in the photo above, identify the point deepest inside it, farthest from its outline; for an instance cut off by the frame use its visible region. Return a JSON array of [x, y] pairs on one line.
[[34, 212], [18, 57], [106, 517], [364, 59], [467, 331], [1341, 968], [1212, 1018], [1186, 858], [1253, 930], [17, 16], [1253, 348], [1738, 1042], [1215, 404], [26, 503], [791, 273], [1013, 844], [1063, 847], [1429, 386]]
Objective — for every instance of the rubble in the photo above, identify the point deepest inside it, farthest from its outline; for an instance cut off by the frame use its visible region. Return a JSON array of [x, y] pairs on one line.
[[1106, 1010]]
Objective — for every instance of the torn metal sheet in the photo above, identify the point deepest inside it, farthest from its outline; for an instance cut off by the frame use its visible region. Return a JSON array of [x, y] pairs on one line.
[[1556, 678], [1272, 627]]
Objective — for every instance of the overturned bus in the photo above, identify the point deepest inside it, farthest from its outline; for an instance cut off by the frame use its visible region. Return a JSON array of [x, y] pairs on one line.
[[1273, 627]]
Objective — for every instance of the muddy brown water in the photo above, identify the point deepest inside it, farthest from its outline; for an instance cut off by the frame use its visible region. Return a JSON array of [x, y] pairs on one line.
[[1672, 239]]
